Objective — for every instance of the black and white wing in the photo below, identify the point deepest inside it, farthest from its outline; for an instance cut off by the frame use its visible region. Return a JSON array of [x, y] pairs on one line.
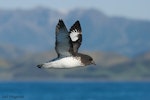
[[63, 45], [76, 36]]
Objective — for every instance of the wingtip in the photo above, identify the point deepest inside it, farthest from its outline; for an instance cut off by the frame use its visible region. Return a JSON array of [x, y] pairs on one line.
[[78, 21], [60, 24], [60, 20], [76, 26]]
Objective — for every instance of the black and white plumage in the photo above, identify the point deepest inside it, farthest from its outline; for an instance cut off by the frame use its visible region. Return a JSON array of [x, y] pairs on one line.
[[66, 46], [76, 36]]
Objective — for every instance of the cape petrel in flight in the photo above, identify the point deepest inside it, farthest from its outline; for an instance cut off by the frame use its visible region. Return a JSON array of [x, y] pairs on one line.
[[66, 46]]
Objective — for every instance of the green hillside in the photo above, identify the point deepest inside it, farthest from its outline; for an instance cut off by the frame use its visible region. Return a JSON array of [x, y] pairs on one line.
[[110, 66]]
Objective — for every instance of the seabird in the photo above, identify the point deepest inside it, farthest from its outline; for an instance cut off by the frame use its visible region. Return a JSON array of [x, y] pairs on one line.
[[66, 46]]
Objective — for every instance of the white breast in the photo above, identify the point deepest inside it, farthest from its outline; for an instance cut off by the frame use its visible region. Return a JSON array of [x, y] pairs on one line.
[[67, 62]]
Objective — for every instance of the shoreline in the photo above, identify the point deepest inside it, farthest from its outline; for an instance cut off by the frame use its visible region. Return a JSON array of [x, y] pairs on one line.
[[72, 81]]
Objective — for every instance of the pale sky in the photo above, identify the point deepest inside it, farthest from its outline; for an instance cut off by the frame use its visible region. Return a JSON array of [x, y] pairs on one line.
[[135, 9]]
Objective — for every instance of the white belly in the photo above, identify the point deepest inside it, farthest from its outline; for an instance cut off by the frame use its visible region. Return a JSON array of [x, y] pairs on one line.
[[67, 62]]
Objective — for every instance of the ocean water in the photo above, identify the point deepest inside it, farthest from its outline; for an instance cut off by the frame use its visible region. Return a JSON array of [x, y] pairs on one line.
[[75, 91]]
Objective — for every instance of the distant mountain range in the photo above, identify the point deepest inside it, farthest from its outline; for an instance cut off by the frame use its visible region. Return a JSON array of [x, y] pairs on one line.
[[34, 30]]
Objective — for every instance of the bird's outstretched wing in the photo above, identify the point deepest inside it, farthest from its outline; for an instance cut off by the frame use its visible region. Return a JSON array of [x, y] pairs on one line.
[[76, 36], [63, 44]]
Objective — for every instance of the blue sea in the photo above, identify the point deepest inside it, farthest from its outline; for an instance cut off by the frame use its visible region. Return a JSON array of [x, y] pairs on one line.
[[75, 91]]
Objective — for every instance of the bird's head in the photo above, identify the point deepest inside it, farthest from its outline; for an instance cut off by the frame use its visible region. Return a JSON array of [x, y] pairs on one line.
[[87, 60], [90, 60]]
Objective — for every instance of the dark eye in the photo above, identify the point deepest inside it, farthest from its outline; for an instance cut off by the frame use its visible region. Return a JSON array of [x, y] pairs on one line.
[[90, 59]]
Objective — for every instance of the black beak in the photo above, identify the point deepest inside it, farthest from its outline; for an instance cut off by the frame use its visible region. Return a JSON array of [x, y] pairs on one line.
[[93, 63]]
